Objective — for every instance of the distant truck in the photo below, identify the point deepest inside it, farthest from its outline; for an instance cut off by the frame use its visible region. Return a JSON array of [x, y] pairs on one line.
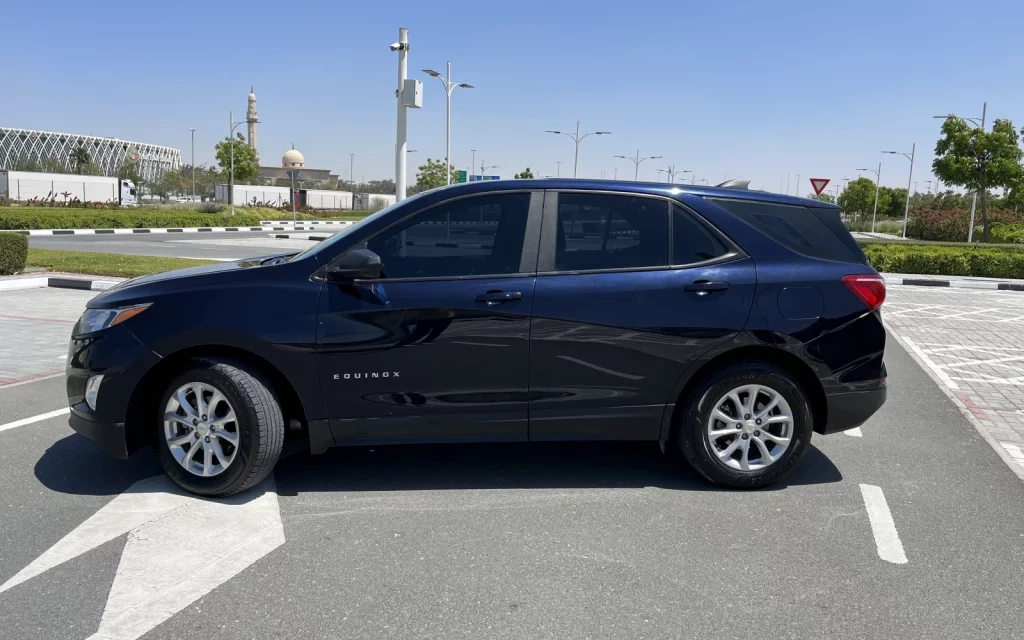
[[22, 186]]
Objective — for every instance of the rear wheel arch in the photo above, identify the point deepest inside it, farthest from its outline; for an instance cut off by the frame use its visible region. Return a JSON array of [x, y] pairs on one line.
[[788, 362], [149, 389]]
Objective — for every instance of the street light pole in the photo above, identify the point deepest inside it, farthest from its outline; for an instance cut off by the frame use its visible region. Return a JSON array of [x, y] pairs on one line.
[[577, 138], [672, 172], [910, 177], [401, 143], [449, 86], [193, 165], [558, 173], [878, 184], [471, 163], [352, 177], [636, 161]]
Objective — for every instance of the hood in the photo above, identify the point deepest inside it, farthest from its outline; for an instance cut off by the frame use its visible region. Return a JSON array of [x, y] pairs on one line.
[[136, 289]]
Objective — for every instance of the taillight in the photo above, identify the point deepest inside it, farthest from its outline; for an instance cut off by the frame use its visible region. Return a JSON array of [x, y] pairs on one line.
[[870, 289]]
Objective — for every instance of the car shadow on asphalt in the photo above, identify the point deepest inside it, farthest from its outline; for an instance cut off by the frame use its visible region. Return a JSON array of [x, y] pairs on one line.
[[511, 466], [76, 465]]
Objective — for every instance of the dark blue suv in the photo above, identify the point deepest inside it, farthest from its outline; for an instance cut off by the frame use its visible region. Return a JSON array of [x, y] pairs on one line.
[[726, 322]]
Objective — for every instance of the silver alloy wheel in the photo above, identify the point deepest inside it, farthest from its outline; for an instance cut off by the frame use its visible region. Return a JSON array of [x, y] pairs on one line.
[[750, 427], [201, 429]]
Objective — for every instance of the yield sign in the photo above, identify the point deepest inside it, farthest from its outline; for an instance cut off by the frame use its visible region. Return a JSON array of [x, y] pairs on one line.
[[819, 184]]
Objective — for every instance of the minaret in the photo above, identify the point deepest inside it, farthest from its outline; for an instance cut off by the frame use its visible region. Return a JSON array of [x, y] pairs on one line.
[[253, 120]]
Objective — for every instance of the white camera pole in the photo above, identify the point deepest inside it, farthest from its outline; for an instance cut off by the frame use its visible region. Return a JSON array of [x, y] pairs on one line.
[[402, 144]]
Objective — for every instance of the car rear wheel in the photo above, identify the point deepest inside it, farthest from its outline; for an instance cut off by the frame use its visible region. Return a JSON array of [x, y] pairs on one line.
[[746, 426], [220, 428]]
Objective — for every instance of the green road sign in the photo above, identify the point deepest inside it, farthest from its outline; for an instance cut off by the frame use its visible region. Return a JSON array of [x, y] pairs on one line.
[[462, 176]]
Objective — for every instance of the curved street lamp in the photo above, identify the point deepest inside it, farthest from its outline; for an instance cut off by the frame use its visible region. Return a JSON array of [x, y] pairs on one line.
[[449, 86], [637, 160], [878, 183], [577, 138], [910, 176]]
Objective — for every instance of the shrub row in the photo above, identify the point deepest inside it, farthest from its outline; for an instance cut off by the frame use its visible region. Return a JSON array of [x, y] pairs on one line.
[[13, 252], [61, 218], [964, 260], [950, 225]]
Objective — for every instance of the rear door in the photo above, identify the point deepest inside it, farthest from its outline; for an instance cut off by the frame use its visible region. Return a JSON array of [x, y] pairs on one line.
[[630, 290], [437, 348]]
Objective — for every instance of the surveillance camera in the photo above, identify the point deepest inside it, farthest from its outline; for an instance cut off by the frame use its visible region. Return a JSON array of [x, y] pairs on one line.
[[396, 46]]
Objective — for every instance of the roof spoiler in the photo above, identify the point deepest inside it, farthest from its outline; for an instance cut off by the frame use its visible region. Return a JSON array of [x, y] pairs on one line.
[[735, 183]]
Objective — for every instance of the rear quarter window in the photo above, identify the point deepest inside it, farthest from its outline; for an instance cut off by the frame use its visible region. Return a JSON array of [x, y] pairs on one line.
[[794, 226]]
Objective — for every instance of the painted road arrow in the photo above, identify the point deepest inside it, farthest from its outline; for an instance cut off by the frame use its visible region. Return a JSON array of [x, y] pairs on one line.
[[179, 548]]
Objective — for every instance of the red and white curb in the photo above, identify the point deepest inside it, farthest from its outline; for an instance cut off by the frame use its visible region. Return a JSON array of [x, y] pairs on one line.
[[954, 284]]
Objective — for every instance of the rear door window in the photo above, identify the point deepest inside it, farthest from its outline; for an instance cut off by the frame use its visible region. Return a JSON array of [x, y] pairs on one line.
[[794, 226], [605, 231]]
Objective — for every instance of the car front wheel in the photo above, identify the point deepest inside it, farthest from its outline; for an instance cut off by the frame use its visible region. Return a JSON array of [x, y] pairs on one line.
[[746, 426], [220, 428]]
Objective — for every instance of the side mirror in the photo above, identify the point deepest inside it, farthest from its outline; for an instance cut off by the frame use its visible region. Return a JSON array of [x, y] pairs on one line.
[[357, 264]]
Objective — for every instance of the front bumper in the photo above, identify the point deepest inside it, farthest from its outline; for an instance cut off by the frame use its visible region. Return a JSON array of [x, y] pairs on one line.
[[123, 361], [852, 409], [109, 435]]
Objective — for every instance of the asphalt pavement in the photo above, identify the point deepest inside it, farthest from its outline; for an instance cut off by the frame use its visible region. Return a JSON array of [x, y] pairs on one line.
[[523, 541]]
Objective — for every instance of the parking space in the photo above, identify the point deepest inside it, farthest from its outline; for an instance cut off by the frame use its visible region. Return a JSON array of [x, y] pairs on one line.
[[972, 341], [910, 531]]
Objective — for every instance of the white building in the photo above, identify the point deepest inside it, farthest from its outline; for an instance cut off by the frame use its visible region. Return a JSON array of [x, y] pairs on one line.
[[20, 147]]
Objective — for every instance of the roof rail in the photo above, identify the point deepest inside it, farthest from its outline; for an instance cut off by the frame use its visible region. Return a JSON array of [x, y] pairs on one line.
[[736, 183]]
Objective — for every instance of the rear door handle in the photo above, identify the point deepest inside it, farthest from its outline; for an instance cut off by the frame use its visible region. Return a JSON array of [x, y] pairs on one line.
[[704, 287], [499, 297]]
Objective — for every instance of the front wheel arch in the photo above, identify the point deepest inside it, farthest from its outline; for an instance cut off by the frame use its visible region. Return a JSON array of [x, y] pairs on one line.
[[148, 390]]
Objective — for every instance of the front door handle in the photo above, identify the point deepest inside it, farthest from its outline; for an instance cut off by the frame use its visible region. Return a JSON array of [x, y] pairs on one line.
[[499, 297], [704, 287]]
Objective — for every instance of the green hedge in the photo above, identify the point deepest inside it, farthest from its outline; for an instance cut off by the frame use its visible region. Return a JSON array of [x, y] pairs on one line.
[[13, 253], [85, 219], [965, 260], [65, 218]]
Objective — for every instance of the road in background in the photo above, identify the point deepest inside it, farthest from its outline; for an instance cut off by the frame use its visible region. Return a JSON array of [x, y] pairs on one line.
[[529, 541]]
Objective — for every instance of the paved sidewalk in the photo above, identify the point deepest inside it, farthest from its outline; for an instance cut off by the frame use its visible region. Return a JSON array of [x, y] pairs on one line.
[[973, 342], [35, 326]]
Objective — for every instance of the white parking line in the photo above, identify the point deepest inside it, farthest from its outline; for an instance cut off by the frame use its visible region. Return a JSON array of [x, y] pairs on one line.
[[855, 432], [887, 540], [40, 417]]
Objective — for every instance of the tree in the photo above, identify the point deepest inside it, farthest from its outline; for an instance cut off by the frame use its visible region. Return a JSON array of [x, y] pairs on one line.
[[891, 202], [80, 159], [976, 159], [858, 197], [247, 168], [431, 175], [823, 197], [525, 175]]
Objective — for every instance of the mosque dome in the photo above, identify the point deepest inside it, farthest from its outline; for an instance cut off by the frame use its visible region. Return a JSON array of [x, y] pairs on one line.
[[293, 159]]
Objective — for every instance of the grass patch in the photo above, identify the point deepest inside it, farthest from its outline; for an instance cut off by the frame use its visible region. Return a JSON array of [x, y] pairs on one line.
[[107, 264]]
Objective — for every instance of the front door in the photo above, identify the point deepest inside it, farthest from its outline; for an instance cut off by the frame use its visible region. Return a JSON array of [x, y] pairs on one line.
[[630, 290], [438, 348]]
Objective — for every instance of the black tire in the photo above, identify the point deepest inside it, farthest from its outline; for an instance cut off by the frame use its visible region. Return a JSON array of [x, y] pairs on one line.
[[695, 446], [260, 426]]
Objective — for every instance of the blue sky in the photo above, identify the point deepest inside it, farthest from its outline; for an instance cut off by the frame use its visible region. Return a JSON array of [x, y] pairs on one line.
[[749, 89]]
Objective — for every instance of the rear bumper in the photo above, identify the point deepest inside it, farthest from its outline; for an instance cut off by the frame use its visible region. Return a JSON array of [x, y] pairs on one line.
[[849, 410], [109, 435]]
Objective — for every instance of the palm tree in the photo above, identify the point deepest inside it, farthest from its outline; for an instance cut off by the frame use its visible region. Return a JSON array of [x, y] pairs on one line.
[[80, 159]]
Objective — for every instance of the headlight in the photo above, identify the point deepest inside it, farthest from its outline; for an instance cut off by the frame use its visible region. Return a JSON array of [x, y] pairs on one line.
[[99, 319]]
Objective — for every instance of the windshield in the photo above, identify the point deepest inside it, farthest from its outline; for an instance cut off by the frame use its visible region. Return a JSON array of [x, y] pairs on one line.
[[337, 237]]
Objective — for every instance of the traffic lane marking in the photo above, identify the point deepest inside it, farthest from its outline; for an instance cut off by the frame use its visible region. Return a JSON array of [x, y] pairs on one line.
[[883, 527], [7, 383], [39, 418], [854, 432]]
